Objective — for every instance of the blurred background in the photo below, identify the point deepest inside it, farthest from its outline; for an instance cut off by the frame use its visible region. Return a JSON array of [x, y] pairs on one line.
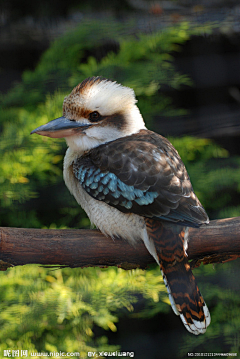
[[182, 59]]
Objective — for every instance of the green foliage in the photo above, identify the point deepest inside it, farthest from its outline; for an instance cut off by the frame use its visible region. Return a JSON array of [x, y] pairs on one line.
[[144, 65], [214, 175], [60, 61], [56, 310]]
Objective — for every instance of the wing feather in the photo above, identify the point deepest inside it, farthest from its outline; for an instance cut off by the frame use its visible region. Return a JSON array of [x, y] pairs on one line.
[[142, 174]]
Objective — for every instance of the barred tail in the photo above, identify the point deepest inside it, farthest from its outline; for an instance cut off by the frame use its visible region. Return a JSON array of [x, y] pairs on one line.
[[184, 295]]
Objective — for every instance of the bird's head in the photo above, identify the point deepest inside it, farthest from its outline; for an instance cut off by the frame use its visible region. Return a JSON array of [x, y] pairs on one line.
[[96, 111]]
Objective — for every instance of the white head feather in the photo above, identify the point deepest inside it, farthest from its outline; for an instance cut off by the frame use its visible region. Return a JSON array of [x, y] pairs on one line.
[[112, 101]]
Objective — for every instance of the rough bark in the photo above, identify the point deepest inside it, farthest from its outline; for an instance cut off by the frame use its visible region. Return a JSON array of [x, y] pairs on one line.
[[217, 242]]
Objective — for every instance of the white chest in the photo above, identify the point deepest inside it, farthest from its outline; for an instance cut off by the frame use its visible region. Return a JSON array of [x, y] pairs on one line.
[[108, 219]]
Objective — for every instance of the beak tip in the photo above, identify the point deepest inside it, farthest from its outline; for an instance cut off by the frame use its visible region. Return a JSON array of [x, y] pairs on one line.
[[33, 131]]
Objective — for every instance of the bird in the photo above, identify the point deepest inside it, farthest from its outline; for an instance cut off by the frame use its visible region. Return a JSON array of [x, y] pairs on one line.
[[132, 184]]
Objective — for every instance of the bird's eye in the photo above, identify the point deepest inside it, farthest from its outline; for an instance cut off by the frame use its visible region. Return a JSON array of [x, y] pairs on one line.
[[94, 116]]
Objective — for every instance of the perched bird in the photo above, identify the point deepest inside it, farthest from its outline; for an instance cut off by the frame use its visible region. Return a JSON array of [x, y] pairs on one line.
[[132, 184]]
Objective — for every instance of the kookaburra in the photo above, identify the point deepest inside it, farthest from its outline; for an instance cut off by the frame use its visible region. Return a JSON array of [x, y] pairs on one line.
[[132, 184]]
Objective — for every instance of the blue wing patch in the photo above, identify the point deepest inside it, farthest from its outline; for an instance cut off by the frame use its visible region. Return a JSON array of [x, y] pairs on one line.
[[107, 187]]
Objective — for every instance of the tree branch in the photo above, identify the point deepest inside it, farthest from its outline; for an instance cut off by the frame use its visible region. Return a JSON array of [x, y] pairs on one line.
[[217, 242]]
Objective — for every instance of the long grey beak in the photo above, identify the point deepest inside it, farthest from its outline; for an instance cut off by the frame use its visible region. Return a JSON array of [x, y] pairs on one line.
[[60, 127]]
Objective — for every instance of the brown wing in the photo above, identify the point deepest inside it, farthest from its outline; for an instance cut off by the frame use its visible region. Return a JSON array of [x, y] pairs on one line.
[[142, 174]]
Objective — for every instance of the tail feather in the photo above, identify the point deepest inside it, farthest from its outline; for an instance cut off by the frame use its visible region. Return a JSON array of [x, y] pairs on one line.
[[184, 295]]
